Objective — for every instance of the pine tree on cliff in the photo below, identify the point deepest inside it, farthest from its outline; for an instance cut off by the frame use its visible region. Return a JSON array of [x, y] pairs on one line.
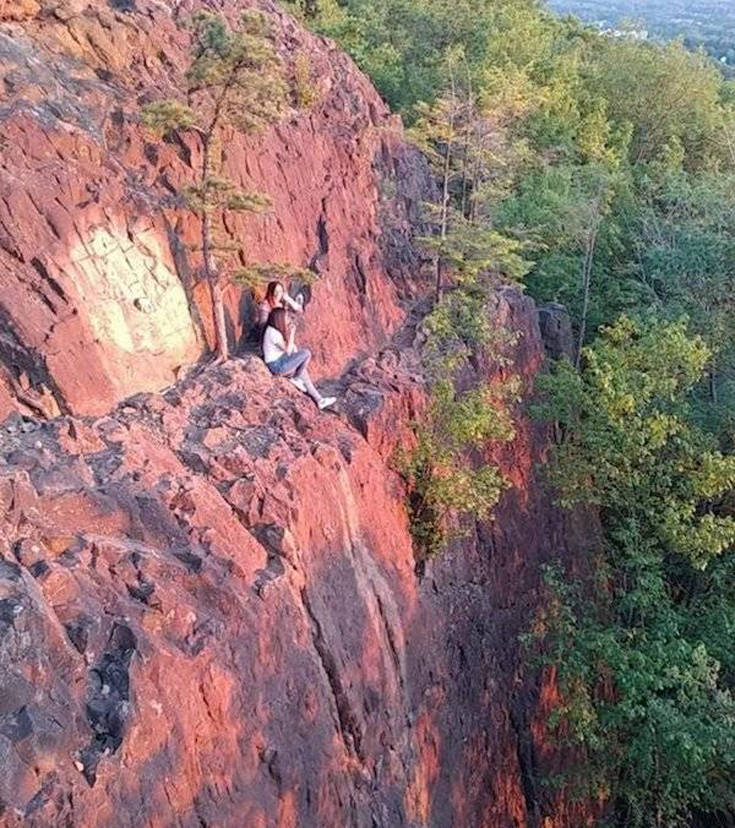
[[235, 78], [454, 132]]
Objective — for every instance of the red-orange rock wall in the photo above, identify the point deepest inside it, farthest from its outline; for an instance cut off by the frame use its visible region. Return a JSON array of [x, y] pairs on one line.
[[100, 295], [209, 614], [209, 610]]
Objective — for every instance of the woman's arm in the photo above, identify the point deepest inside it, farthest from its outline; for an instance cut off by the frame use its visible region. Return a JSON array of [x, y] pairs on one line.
[[295, 306], [291, 347]]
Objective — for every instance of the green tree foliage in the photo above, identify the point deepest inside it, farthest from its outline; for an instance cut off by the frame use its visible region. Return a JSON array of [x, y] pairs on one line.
[[675, 99], [563, 209], [448, 473], [402, 44], [643, 650], [455, 134], [682, 231], [444, 480], [235, 78], [629, 447], [562, 118]]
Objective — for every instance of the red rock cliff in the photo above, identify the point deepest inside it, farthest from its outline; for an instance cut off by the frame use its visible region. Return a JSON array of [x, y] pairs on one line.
[[98, 290], [209, 615], [209, 612]]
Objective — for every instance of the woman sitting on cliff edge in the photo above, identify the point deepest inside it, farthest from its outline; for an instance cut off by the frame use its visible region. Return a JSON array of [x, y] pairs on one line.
[[284, 359]]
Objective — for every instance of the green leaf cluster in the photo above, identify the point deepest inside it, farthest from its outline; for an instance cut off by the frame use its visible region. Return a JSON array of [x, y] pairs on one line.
[[446, 472], [235, 75], [163, 117], [629, 445]]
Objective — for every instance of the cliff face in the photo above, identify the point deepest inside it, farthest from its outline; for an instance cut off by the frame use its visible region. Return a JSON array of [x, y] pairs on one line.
[[99, 291], [209, 614], [209, 611]]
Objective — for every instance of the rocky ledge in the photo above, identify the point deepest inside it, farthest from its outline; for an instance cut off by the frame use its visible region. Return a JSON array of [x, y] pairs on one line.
[[209, 607], [209, 613]]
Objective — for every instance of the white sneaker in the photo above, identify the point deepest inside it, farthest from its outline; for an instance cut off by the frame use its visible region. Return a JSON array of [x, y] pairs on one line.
[[325, 402], [299, 383]]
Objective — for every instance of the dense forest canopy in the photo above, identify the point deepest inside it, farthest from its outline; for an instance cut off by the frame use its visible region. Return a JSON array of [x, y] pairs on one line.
[[600, 171]]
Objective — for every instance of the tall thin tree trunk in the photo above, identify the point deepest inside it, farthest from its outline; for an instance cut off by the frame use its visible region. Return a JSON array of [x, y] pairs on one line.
[[445, 190], [444, 217], [586, 285], [210, 266], [465, 165], [474, 182], [468, 132]]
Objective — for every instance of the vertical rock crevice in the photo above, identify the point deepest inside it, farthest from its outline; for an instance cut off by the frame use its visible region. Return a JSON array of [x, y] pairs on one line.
[[346, 719]]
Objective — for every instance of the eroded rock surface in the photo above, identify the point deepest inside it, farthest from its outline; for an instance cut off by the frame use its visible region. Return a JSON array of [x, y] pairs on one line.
[[209, 613], [100, 295], [209, 608]]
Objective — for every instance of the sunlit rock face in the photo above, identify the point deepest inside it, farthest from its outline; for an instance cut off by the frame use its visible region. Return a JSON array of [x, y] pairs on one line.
[[100, 288], [210, 613], [135, 306]]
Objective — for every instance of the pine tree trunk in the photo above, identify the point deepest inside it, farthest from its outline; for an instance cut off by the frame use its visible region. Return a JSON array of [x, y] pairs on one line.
[[210, 267], [218, 306], [444, 222], [469, 131], [586, 285], [445, 193]]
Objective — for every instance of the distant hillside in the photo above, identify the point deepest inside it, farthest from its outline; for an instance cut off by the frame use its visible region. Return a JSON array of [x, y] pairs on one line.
[[708, 23]]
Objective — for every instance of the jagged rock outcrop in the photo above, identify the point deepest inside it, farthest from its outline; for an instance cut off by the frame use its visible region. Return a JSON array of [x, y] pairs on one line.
[[556, 330], [99, 294], [209, 608], [209, 613]]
